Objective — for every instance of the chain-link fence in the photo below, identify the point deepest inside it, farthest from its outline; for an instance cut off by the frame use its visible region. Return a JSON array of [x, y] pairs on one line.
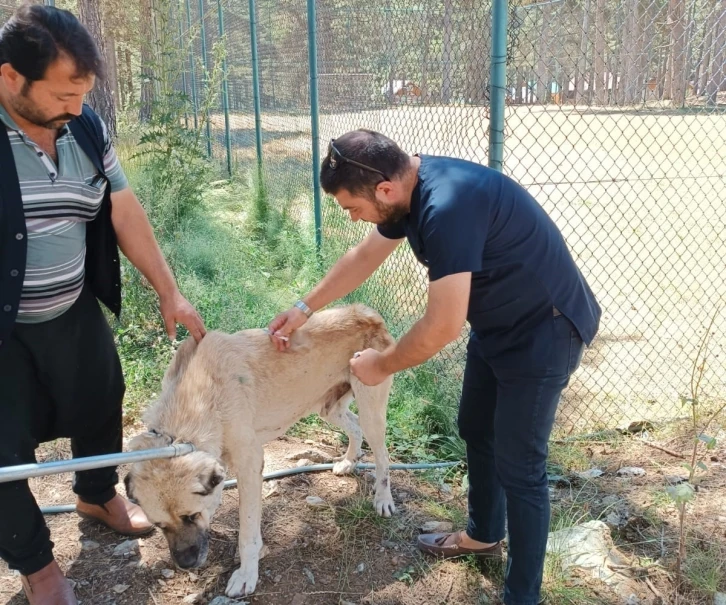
[[615, 121]]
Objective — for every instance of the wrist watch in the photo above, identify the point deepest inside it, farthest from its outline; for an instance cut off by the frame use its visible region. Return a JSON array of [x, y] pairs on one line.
[[304, 308]]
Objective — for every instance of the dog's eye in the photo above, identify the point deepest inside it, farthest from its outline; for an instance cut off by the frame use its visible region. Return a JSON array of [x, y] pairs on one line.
[[191, 518]]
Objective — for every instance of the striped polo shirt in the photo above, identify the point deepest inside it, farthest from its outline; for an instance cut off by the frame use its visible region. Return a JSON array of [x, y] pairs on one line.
[[58, 201]]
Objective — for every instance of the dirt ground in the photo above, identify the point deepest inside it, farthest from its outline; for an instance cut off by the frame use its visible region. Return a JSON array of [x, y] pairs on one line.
[[344, 554]]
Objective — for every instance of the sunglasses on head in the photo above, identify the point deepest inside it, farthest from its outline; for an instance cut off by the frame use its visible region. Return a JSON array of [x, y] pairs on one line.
[[335, 159]]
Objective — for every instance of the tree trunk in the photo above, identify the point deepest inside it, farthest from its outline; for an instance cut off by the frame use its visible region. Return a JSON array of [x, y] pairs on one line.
[[601, 79], [101, 98], [448, 71], [704, 54], [544, 78], [147, 62], [582, 59], [675, 75], [129, 76], [715, 83]]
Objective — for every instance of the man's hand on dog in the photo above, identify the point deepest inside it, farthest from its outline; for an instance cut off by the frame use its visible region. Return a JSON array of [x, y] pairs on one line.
[[284, 325], [176, 309], [368, 367]]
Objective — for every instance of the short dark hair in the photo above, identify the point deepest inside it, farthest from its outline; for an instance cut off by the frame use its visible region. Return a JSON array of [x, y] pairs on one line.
[[382, 156], [35, 36]]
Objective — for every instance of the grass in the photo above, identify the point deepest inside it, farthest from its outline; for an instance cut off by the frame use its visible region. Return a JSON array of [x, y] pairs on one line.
[[705, 568]]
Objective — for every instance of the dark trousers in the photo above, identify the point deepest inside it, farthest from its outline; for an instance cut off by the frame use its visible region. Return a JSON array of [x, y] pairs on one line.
[[507, 411], [60, 378]]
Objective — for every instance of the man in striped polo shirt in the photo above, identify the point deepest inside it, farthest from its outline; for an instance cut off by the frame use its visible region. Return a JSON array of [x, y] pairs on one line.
[[64, 207]]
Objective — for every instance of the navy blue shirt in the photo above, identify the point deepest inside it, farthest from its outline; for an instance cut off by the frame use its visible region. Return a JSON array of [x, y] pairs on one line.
[[466, 217]]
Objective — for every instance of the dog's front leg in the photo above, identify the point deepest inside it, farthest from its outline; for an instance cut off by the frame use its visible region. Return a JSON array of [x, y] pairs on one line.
[[249, 486]]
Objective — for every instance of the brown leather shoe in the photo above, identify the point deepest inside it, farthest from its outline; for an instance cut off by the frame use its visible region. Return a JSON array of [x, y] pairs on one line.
[[449, 545], [118, 514], [48, 587]]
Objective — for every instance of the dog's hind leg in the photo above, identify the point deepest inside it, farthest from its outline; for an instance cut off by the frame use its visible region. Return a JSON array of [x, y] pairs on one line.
[[339, 415], [372, 405]]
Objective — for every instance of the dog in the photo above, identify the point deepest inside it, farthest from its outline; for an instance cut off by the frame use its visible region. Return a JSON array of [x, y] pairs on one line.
[[232, 393]]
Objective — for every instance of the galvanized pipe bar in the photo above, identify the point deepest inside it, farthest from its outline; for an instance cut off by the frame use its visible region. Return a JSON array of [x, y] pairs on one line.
[[26, 471]]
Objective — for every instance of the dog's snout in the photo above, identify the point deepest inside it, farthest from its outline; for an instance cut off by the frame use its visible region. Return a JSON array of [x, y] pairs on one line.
[[187, 558]]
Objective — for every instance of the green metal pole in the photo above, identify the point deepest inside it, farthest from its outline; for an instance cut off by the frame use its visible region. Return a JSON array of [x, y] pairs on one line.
[[193, 69], [184, 71], [225, 90], [315, 120], [498, 85], [203, 34], [256, 89]]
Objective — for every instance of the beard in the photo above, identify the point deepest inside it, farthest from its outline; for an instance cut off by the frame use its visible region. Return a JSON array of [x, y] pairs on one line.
[[389, 214], [25, 108]]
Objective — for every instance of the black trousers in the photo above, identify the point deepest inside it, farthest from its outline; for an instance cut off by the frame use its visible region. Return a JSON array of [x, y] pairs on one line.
[[60, 378]]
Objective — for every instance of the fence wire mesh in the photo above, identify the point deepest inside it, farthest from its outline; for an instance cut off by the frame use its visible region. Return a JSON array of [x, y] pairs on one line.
[[615, 122]]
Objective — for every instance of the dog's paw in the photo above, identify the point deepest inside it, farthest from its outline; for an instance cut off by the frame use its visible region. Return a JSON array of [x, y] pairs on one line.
[[242, 583], [344, 467], [384, 505]]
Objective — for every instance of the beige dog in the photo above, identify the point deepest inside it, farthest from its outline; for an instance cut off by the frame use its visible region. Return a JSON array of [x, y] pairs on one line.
[[230, 395]]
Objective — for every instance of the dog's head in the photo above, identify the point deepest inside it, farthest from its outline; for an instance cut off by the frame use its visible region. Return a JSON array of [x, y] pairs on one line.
[[179, 496]]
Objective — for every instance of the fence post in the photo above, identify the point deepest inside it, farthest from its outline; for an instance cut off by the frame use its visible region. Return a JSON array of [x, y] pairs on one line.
[[315, 117], [179, 20], [192, 67], [498, 85], [225, 89], [256, 89], [203, 34]]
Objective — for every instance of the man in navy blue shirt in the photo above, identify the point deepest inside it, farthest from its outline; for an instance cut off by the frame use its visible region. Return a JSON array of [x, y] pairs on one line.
[[496, 259]]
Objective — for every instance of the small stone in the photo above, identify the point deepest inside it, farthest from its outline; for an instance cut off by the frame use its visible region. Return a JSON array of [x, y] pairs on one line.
[[303, 462], [88, 545], [277, 579], [120, 588], [361, 568], [592, 473], [226, 601], [445, 488], [611, 500], [316, 502], [346, 603], [675, 480], [631, 471], [632, 600], [193, 577], [167, 574], [192, 598], [309, 575], [126, 549], [309, 442], [437, 527], [719, 598], [314, 455], [388, 544], [161, 583]]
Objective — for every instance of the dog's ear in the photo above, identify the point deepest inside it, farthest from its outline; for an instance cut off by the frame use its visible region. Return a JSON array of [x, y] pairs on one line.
[[180, 362], [128, 483], [210, 479], [148, 441]]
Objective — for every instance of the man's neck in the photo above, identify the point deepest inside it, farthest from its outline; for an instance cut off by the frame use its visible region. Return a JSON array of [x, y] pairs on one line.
[[411, 179]]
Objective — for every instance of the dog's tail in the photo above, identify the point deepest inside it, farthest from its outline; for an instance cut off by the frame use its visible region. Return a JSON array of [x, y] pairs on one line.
[[182, 359]]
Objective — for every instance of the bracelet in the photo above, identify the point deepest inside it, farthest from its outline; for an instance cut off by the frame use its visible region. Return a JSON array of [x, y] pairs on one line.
[[304, 308]]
